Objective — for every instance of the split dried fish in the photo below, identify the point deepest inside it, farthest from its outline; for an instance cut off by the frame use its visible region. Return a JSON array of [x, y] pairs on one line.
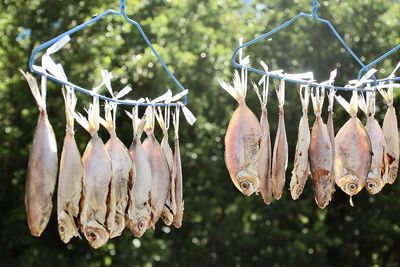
[[301, 167], [280, 153], [177, 173], [242, 140], [331, 133], [169, 210], [378, 174], [390, 131], [353, 152], [121, 164], [139, 210], [42, 165], [320, 153], [159, 169], [96, 180], [70, 176]]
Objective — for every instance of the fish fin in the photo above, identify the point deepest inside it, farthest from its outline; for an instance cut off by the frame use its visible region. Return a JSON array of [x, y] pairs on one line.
[[304, 92], [280, 93], [331, 97], [33, 85], [160, 118], [362, 103], [255, 87], [82, 120], [235, 90], [343, 102]]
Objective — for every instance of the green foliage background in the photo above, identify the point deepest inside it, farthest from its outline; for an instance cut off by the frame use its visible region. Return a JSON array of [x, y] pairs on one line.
[[197, 38]]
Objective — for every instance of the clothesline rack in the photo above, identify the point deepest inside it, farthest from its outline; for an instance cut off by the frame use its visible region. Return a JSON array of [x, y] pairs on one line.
[[314, 16], [39, 70]]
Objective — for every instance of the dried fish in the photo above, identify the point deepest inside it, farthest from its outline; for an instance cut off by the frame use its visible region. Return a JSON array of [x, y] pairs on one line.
[[159, 169], [353, 152], [42, 165], [169, 210], [301, 167], [121, 164], [280, 153], [265, 153], [177, 174], [320, 153], [70, 176], [96, 180], [242, 140], [139, 210], [377, 176], [390, 131], [331, 133]]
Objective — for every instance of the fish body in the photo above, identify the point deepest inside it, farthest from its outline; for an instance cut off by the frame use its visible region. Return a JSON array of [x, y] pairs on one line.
[[265, 156], [320, 154], [377, 176], [353, 152], [301, 167], [177, 175], [280, 153], [242, 145], [42, 166], [70, 176], [390, 131]]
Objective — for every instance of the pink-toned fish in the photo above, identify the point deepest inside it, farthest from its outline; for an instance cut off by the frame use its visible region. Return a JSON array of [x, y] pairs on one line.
[[242, 140], [378, 174], [301, 167], [391, 133], [159, 169], [169, 210], [139, 210], [331, 133], [353, 151], [121, 163], [42, 165], [96, 180], [280, 153], [70, 176], [320, 153]]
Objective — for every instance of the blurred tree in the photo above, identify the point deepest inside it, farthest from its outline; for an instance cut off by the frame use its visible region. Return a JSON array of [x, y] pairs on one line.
[[196, 39]]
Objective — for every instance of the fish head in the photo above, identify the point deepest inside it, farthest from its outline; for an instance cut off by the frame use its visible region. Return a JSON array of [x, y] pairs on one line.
[[119, 225], [96, 234], [350, 184], [140, 223], [248, 183], [66, 227], [374, 183]]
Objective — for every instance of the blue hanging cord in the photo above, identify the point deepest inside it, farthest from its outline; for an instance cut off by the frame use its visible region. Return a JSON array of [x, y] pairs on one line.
[[315, 8], [315, 16], [89, 92]]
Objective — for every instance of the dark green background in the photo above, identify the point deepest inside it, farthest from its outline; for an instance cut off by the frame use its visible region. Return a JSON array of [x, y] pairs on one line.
[[196, 38]]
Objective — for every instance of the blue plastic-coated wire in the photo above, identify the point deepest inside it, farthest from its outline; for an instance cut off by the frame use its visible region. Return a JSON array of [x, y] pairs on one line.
[[286, 24], [89, 92], [379, 59]]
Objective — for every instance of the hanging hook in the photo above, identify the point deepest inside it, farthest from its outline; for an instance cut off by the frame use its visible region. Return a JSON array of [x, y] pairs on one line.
[[315, 8], [122, 7]]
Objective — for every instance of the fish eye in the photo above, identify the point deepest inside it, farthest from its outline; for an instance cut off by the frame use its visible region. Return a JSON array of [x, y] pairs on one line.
[[92, 235], [61, 228], [141, 225], [371, 185], [352, 186], [299, 190], [245, 185]]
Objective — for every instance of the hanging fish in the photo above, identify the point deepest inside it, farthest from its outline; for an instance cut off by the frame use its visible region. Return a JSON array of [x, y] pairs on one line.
[[169, 210], [390, 131], [331, 133], [353, 152], [320, 153], [177, 173], [301, 167], [265, 154], [242, 140], [42, 165], [139, 210], [280, 153], [121, 164], [70, 176], [159, 169], [96, 180], [378, 174]]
